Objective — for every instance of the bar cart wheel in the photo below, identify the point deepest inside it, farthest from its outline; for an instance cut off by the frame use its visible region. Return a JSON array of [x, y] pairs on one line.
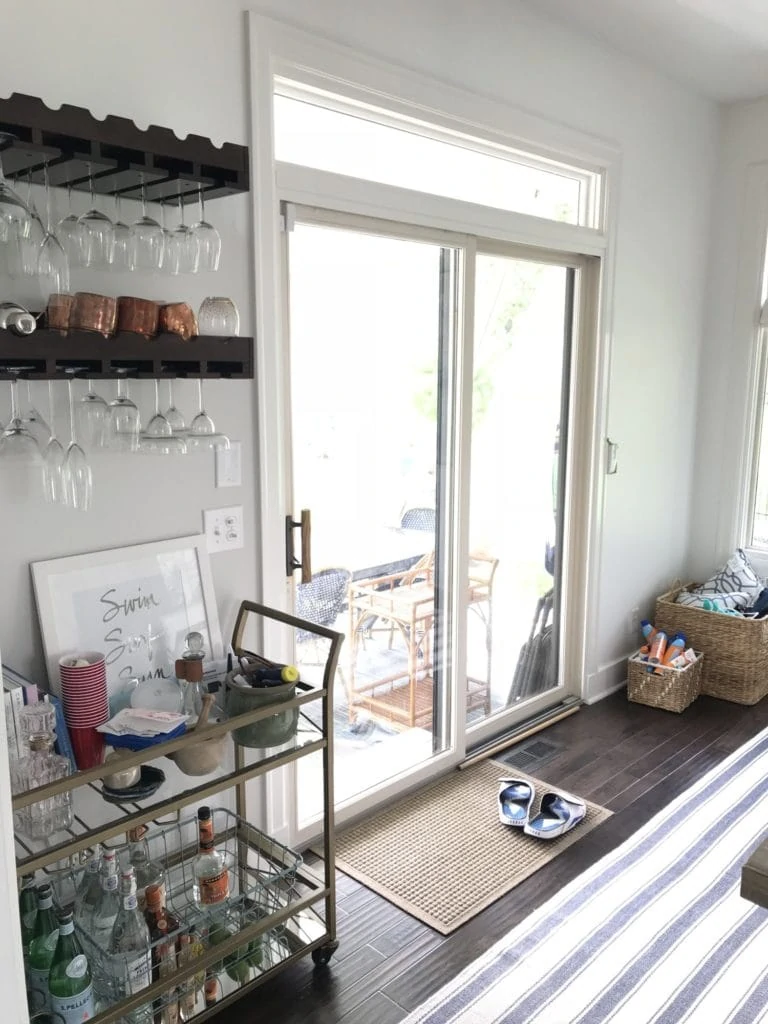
[[322, 955]]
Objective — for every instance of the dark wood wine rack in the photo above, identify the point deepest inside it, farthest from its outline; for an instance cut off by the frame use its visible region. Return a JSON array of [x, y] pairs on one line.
[[53, 355], [119, 154]]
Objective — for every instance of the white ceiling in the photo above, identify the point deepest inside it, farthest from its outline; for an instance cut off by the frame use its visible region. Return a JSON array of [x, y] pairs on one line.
[[720, 47]]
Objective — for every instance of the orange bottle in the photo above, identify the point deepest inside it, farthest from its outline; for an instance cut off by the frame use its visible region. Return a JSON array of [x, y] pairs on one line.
[[658, 648]]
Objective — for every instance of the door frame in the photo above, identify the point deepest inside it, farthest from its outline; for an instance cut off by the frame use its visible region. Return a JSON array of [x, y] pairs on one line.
[[280, 49]]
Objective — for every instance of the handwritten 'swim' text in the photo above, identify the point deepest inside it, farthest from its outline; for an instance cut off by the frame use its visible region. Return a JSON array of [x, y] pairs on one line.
[[128, 606]]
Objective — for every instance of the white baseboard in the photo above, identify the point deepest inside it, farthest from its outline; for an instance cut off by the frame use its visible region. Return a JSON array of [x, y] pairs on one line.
[[607, 680]]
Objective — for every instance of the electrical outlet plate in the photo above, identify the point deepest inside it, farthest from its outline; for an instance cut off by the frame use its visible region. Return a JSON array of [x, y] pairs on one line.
[[229, 465], [223, 528]]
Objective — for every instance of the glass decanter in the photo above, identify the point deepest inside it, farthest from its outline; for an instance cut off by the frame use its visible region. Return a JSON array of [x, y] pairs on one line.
[[40, 767], [189, 672]]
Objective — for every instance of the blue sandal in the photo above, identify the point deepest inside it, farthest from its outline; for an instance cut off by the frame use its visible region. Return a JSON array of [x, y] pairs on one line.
[[515, 799], [558, 814]]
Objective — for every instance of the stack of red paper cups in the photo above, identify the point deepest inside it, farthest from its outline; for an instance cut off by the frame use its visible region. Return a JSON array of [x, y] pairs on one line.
[[86, 704]]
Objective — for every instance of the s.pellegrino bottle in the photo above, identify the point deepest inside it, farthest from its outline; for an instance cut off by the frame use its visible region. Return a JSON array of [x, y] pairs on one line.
[[129, 949], [88, 893], [27, 912], [69, 983], [42, 948], [106, 910]]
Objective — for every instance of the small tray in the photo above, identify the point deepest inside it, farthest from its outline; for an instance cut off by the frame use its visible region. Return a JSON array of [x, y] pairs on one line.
[[150, 781]]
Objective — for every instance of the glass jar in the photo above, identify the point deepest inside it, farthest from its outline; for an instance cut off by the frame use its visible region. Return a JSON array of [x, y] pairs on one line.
[[40, 767]]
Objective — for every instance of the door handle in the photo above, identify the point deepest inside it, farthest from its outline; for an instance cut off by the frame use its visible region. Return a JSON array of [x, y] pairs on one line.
[[291, 561]]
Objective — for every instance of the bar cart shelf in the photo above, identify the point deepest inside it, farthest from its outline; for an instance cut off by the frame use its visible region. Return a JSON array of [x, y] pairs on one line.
[[284, 909], [52, 355]]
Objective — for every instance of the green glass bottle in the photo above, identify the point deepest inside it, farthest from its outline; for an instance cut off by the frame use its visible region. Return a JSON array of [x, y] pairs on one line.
[[42, 948], [28, 912], [69, 983]]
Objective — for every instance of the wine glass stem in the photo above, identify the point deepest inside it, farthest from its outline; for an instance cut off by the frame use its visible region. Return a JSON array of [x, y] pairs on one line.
[[202, 206], [171, 404], [14, 401], [90, 184], [50, 408], [121, 387], [71, 413], [48, 212], [200, 393], [143, 197], [157, 397]]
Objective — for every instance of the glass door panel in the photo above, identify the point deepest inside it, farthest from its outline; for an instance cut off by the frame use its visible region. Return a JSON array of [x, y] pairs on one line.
[[365, 357], [519, 412]]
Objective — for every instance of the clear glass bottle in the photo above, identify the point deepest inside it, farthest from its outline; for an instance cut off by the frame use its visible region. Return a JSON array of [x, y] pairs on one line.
[[189, 670], [211, 876], [27, 912], [129, 949], [42, 947], [166, 968], [189, 948], [70, 983], [147, 871], [105, 911], [38, 768], [88, 892]]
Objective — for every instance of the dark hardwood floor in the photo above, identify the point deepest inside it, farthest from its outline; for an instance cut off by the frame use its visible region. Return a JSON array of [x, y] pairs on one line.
[[629, 758]]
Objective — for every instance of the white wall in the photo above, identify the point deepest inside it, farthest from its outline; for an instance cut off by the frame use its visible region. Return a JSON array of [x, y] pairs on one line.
[[183, 64], [733, 299]]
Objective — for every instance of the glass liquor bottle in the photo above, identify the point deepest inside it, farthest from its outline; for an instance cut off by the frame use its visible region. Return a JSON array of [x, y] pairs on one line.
[[156, 911], [88, 892], [129, 949], [106, 909], [70, 983], [189, 948], [166, 968], [147, 871], [42, 947], [27, 912], [189, 670], [39, 767], [211, 876]]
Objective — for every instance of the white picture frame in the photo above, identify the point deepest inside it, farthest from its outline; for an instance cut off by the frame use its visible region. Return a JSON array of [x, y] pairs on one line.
[[135, 604]]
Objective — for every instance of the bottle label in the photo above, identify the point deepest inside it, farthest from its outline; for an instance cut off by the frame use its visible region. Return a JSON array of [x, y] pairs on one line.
[[67, 928], [109, 883], [214, 888], [141, 895], [130, 902], [138, 973], [38, 983], [77, 966], [74, 1009]]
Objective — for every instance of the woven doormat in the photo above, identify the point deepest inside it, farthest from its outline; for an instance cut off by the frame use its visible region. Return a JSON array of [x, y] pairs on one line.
[[442, 854]]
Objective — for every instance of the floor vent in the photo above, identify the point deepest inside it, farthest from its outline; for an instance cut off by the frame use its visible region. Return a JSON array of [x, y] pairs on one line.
[[529, 756]]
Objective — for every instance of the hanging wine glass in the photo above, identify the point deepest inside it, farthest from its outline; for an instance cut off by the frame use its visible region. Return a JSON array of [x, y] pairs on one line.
[[124, 424], [184, 255], [16, 441], [97, 234], [77, 476], [32, 237], [158, 437], [174, 415], [147, 239], [52, 262], [69, 234], [121, 252], [207, 238], [54, 489], [202, 434], [33, 420], [92, 415], [14, 214]]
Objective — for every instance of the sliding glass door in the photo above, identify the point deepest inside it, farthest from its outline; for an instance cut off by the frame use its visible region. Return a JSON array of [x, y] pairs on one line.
[[430, 409]]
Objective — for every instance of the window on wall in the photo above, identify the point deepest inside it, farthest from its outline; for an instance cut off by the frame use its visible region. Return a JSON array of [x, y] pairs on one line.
[[328, 133]]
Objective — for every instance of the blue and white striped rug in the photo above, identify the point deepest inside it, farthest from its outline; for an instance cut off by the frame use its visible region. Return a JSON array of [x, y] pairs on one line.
[[654, 932]]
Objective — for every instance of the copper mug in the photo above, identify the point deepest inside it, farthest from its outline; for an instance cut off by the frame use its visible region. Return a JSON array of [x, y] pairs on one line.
[[139, 316], [93, 312], [58, 310], [178, 318]]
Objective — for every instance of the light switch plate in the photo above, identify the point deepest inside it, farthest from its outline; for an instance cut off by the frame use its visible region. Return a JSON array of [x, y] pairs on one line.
[[229, 465], [223, 528]]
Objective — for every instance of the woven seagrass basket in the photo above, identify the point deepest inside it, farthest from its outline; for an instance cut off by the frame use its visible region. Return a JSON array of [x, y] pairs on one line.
[[671, 689], [736, 666]]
